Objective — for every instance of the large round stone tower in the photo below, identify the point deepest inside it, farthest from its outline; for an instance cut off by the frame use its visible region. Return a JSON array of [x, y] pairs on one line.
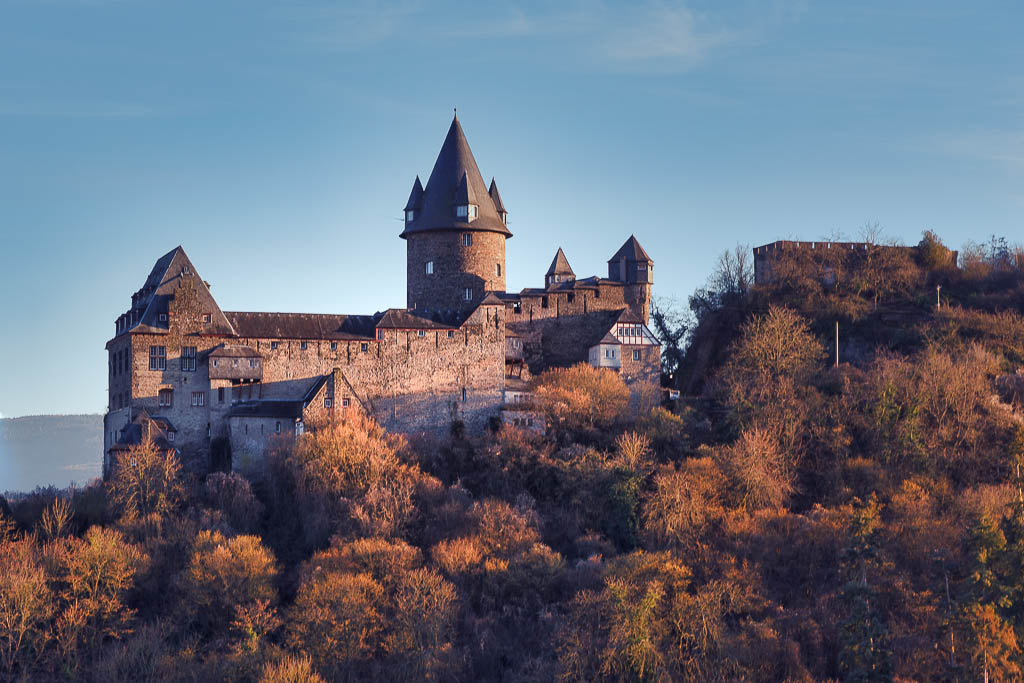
[[455, 232]]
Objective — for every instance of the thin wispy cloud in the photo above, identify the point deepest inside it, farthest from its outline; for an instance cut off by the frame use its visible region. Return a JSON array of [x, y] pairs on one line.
[[1001, 146], [661, 35], [74, 110]]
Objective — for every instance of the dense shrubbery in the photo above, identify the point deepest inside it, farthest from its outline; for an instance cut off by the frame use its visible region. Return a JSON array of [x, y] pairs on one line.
[[801, 522]]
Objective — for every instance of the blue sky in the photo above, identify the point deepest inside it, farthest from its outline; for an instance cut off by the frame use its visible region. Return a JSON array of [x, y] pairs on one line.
[[277, 142]]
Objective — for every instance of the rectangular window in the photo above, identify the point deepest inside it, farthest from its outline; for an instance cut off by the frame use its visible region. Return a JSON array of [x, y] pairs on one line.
[[188, 359], [430, 268], [166, 398], [207, 318], [253, 362], [462, 210], [636, 354], [163, 317], [463, 394], [277, 428], [451, 334], [170, 437], [497, 269], [157, 357], [467, 294], [467, 239], [198, 399], [344, 403], [273, 346], [334, 346], [303, 345], [220, 394], [380, 335], [364, 347], [327, 402], [544, 302], [421, 333]]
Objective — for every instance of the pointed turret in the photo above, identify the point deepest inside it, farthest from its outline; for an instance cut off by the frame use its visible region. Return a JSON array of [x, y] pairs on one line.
[[630, 263], [560, 271], [415, 202], [454, 232], [499, 206], [454, 180]]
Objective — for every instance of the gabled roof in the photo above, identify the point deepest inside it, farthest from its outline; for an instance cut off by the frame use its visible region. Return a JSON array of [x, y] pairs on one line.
[[172, 272], [415, 197], [631, 251], [234, 351], [397, 318], [302, 325], [455, 179], [560, 265], [145, 427]]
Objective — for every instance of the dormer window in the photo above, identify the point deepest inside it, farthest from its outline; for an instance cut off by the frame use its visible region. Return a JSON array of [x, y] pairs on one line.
[[467, 211], [410, 215], [430, 268], [163, 317]]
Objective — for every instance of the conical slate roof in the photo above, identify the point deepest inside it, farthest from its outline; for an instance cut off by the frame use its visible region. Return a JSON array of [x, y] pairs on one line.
[[631, 251], [454, 180], [415, 197], [560, 265], [496, 197]]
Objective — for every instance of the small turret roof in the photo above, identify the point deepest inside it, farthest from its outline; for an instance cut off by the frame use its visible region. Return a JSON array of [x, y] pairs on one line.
[[455, 180], [560, 265], [415, 197], [496, 197], [631, 251]]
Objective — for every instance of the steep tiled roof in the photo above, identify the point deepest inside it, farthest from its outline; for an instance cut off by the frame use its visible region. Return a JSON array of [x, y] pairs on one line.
[[397, 318], [302, 325], [234, 351], [455, 180], [172, 271], [631, 251], [560, 265]]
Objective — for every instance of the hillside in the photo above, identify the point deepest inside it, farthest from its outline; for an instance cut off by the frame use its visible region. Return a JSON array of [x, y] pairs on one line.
[[793, 519], [49, 450]]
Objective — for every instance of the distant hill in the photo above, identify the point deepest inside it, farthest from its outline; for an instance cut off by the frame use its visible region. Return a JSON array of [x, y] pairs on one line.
[[44, 450]]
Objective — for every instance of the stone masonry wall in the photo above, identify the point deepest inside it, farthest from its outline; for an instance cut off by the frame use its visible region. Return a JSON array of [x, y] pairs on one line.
[[456, 267]]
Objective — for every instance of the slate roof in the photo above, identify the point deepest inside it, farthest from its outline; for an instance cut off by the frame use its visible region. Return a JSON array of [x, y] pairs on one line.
[[144, 426], [560, 265], [415, 197], [631, 251], [234, 351], [499, 206], [171, 271], [397, 318], [454, 180], [286, 408], [302, 325]]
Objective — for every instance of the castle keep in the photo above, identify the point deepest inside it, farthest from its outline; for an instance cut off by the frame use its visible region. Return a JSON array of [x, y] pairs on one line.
[[220, 386]]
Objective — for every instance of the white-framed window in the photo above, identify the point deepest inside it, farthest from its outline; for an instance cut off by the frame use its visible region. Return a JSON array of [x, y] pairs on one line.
[[327, 402], [380, 335], [410, 215], [198, 399], [467, 239], [497, 270], [451, 334], [636, 354], [188, 359], [207, 318], [467, 294], [166, 398], [345, 402], [157, 357], [430, 267], [473, 211], [462, 210], [421, 333], [364, 347], [334, 346], [163, 317], [170, 437], [215, 361]]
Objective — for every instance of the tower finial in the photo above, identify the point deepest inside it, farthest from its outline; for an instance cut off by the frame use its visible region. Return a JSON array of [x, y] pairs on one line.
[[456, 110]]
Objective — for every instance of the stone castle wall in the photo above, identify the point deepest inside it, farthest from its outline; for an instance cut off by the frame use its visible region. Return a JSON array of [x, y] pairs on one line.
[[456, 267]]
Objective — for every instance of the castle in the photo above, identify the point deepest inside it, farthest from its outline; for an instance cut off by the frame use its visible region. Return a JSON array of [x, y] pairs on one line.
[[220, 386]]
